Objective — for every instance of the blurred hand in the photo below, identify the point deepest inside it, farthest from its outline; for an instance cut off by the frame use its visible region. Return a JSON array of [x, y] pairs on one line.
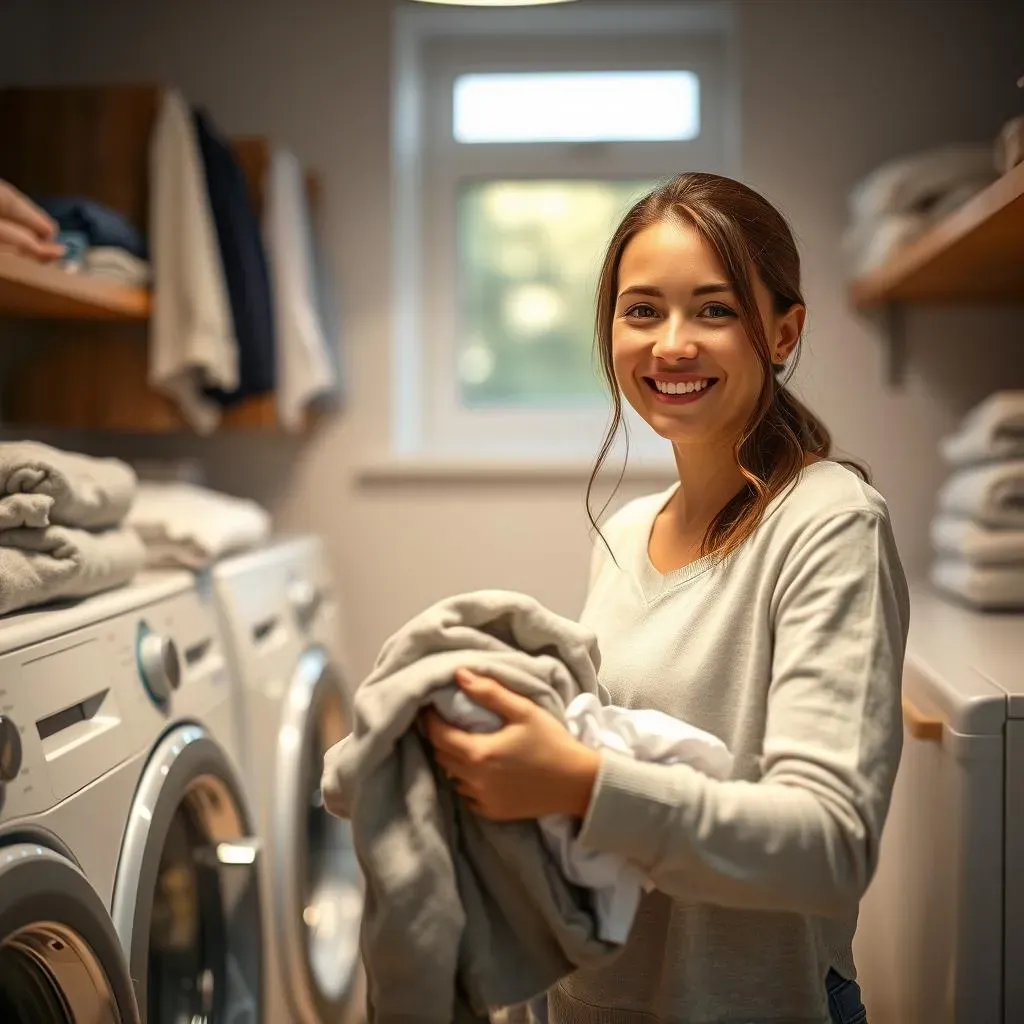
[[24, 228], [530, 768]]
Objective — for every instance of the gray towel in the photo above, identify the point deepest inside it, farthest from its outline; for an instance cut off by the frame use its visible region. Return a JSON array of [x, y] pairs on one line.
[[40, 486], [462, 915], [40, 566]]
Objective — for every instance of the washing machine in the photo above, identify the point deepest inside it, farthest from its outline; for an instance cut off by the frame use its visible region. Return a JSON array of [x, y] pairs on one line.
[[123, 714], [281, 618]]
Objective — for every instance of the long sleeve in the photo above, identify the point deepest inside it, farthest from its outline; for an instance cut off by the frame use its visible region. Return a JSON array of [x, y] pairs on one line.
[[804, 838]]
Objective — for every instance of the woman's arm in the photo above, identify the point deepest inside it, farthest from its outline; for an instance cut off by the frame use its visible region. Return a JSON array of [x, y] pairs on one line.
[[805, 837]]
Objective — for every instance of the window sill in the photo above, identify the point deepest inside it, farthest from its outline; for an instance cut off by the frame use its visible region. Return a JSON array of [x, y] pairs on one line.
[[434, 469]]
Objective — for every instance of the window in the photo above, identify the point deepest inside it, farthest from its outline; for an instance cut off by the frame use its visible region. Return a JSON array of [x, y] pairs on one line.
[[521, 139]]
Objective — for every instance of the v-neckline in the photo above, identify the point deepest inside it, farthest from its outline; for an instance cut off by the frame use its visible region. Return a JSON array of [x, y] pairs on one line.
[[653, 582]]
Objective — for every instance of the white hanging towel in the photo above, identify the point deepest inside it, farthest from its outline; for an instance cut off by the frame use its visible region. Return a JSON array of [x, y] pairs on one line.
[[645, 735], [985, 587], [971, 542], [992, 494], [305, 370], [993, 429], [185, 525], [192, 341]]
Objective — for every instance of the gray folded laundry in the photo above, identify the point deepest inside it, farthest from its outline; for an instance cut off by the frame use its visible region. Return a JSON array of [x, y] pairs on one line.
[[462, 915], [40, 566], [43, 486]]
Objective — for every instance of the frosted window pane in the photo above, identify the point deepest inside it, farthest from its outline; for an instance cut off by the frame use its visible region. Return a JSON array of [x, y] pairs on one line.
[[577, 106]]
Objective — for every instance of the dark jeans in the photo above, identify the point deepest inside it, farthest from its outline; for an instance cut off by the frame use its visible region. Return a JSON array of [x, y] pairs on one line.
[[844, 1000]]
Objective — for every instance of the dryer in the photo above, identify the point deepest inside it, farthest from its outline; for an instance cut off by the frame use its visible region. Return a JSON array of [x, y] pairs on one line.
[[281, 618], [125, 722]]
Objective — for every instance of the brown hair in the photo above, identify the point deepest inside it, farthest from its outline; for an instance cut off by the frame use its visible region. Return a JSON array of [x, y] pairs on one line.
[[745, 232]]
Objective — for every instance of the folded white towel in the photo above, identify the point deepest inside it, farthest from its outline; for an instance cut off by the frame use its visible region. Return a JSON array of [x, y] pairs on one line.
[[40, 566], [185, 525], [305, 370], [992, 430], [993, 494], [645, 735], [971, 542], [912, 184], [986, 587], [117, 264], [192, 340], [40, 485]]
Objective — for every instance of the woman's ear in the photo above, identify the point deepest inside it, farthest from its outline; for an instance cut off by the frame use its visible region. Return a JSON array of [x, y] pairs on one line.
[[789, 326]]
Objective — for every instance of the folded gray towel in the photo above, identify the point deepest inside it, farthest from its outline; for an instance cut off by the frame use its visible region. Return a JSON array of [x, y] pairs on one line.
[[39, 566], [40, 486], [462, 915]]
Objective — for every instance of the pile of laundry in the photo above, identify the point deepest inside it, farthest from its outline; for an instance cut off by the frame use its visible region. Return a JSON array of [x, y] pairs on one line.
[[465, 916], [62, 525], [978, 531]]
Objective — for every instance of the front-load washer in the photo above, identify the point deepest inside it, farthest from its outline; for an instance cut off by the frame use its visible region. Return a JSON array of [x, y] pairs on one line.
[[281, 618], [135, 739]]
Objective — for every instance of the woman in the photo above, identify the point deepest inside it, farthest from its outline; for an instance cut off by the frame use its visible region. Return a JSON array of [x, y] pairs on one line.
[[760, 598]]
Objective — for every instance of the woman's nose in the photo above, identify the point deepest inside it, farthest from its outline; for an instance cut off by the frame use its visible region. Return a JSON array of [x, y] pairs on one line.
[[672, 345]]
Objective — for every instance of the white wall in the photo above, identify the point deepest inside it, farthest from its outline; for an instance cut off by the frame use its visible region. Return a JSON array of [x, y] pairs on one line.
[[830, 88]]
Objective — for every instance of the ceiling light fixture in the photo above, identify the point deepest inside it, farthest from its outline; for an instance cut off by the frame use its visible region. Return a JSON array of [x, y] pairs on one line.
[[496, 3]]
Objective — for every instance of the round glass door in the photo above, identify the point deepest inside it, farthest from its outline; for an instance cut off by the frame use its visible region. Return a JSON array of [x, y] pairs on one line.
[[186, 903], [60, 960], [322, 883]]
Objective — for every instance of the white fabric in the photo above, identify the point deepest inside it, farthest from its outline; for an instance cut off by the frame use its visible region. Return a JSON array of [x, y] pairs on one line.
[[645, 735], [1010, 145], [55, 563], [41, 485], [912, 183], [970, 541], [867, 245], [986, 587], [118, 265], [304, 367], [993, 429], [192, 340], [992, 494], [182, 524]]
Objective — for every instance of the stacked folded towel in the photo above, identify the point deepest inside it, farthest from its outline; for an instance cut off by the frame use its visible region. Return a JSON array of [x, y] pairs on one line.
[[978, 531], [62, 532], [183, 524], [899, 201]]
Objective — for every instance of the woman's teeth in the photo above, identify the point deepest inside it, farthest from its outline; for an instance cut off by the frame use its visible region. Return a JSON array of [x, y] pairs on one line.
[[681, 389]]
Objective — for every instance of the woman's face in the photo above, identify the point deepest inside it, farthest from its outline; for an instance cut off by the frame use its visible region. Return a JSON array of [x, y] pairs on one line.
[[682, 358]]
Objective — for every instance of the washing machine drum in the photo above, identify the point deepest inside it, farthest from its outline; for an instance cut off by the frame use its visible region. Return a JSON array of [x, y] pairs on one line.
[[318, 884], [186, 901], [60, 958]]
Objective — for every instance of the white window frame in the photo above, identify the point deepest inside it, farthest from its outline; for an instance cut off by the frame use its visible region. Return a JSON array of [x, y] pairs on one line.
[[433, 47]]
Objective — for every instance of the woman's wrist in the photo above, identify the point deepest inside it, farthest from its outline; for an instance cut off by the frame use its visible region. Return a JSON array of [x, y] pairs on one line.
[[582, 778]]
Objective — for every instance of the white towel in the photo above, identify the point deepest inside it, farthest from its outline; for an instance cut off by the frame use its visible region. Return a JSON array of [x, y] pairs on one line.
[[182, 524], [118, 265], [992, 430], [645, 735], [192, 340], [971, 542], [985, 587], [913, 183], [305, 370], [993, 494], [40, 566], [40, 486]]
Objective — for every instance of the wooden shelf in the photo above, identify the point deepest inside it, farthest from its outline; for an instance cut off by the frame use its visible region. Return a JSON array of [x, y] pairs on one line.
[[974, 255], [31, 289]]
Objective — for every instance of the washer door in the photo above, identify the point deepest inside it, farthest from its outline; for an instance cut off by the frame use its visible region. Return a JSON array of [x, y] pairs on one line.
[[319, 887], [60, 959], [186, 900]]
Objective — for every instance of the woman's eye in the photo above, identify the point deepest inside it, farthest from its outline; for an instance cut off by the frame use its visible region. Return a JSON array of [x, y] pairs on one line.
[[641, 311], [716, 311]]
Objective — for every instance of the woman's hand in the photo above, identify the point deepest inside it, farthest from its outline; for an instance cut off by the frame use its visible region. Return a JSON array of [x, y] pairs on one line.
[[530, 768], [24, 228]]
